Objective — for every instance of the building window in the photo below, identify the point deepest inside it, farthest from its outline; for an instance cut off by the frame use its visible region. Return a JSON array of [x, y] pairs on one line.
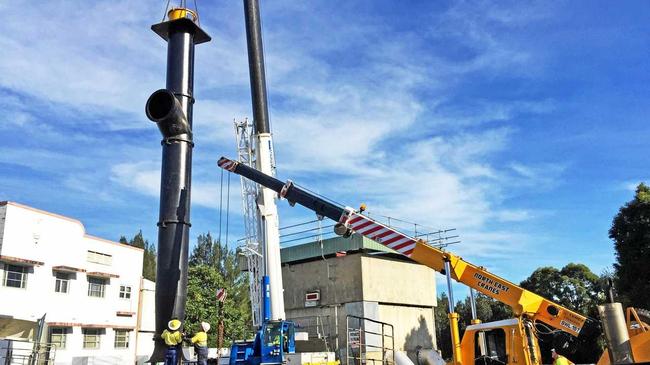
[[58, 337], [62, 282], [125, 292], [96, 287], [91, 338], [121, 339], [99, 258], [15, 276]]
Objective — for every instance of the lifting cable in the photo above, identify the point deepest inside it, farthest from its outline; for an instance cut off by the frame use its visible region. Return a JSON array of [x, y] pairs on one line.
[[221, 207], [299, 224], [165, 12], [319, 228], [227, 208], [220, 204], [183, 4], [322, 249], [198, 19]]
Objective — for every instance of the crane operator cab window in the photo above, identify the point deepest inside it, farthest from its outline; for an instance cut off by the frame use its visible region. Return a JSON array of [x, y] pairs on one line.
[[289, 333], [273, 334], [490, 347]]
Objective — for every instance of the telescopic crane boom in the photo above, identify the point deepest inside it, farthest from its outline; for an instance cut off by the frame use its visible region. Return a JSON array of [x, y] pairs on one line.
[[523, 302]]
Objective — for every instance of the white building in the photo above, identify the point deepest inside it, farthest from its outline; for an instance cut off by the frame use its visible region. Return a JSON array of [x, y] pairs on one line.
[[97, 307]]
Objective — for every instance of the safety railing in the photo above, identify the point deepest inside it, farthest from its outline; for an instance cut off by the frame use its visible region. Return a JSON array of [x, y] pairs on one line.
[[369, 341], [19, 352], [317, 327]]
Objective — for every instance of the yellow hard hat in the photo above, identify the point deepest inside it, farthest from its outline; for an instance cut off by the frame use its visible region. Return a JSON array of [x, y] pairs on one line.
[[174, 324]]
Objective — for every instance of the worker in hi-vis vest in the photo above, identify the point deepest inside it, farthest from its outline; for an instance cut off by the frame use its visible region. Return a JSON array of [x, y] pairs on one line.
[[559, 359], [200, 342], [173, 338]]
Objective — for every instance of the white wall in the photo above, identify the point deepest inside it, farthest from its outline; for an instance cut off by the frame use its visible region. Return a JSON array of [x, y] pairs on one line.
[[31, 234], [3, 212], [147, 319]]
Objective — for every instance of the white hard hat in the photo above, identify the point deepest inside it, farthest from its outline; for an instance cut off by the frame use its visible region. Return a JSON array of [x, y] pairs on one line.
[[205, 326]]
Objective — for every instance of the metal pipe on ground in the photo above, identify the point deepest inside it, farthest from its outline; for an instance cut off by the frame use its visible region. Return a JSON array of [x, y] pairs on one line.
[[429, 357], [616, 334], [171, 110], [402, 359]]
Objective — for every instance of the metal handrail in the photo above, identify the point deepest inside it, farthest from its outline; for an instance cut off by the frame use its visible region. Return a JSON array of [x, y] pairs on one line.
[[41, 353], [317, 327], [387, 341]]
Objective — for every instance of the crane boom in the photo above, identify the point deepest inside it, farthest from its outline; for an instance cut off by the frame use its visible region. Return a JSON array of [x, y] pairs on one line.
[[524, 303], [267, 212]]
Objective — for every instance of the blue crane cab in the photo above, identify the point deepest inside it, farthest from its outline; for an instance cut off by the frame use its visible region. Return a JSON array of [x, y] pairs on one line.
[[272, 341]]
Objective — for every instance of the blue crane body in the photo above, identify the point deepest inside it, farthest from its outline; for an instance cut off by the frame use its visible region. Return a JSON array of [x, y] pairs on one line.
[[272, 341]]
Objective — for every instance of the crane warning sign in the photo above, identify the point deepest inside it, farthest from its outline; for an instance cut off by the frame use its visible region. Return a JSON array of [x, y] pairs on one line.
[[490, 285]]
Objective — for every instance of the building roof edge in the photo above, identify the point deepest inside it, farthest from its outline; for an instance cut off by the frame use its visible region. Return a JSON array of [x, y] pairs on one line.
[[73, 220]]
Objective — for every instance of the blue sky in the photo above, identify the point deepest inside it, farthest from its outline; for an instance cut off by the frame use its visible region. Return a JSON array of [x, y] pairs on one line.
[[523, 125]]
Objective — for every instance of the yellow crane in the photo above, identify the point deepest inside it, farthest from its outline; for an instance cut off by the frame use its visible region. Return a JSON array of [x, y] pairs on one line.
[[511, 341]]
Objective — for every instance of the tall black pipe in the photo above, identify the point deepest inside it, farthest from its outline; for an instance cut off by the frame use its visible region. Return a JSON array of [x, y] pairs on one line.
[[171, 109], [256, 66]]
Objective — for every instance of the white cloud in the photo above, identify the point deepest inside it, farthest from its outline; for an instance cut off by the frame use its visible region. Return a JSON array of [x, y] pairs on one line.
[[633, 184], [144, 177], [513, 215], [364, 125], [541, 176], [78, 67]]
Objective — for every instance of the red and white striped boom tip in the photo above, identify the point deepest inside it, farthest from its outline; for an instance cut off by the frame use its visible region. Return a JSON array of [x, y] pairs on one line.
[[380, 233], [227, 164]]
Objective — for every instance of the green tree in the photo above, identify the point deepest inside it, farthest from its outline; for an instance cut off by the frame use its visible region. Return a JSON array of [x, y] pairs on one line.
[[577, 288], [443, 334], [574, 287], [631, 234], [204, 251], [138, 240], [149, 261], [149, 255], [213, 266], [545, 281], [487, 310]]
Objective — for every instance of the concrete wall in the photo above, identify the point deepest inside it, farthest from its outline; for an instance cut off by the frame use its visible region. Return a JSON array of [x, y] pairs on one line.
[[385, 289], [414, 326], [342, 285], [388, 280], [54, 240]]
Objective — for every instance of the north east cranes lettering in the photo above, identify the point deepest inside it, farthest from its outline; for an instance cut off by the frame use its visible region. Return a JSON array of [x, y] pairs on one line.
[[490, 285]]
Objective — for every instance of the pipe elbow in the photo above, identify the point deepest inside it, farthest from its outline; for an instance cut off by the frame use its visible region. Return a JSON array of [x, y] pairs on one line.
[[166, 111]]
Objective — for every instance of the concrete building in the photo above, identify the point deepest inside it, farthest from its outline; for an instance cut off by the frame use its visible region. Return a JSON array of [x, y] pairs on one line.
[[89, 291], [325, 285]]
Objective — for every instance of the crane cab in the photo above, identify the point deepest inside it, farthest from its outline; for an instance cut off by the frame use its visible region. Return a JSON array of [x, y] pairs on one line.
[[272, 341], [508, 341], [278, 338]]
